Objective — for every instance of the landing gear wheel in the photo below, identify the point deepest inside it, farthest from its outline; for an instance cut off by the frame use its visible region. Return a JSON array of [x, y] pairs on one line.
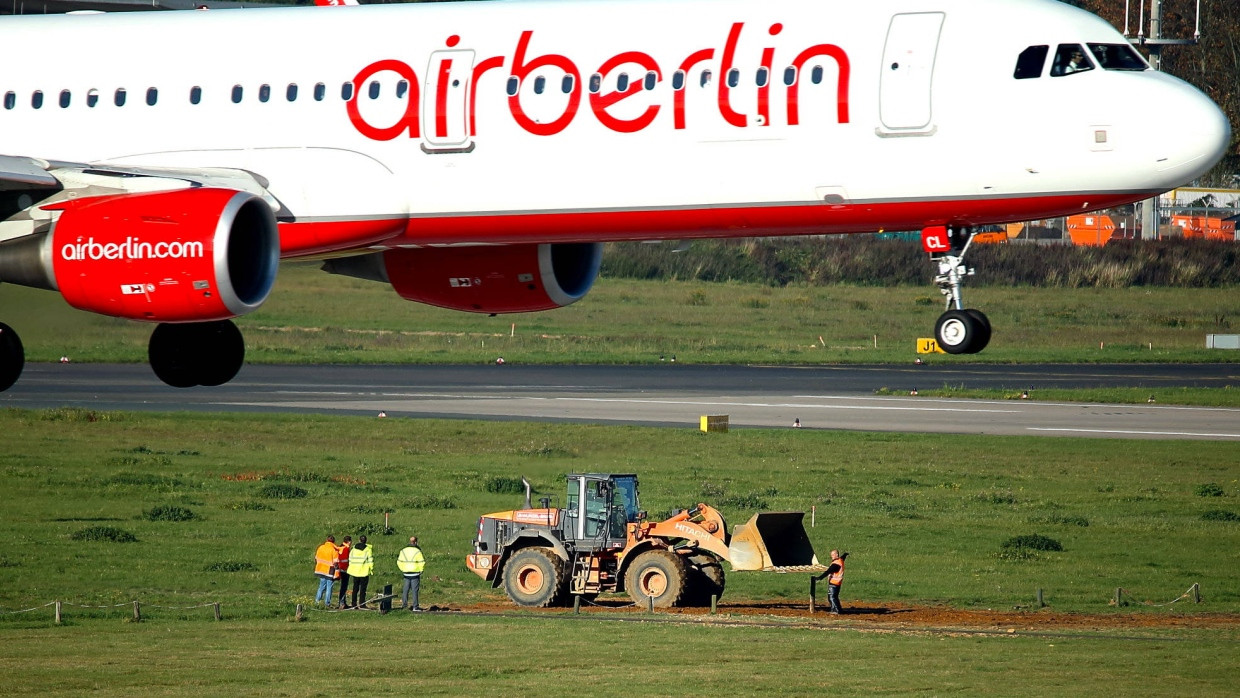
[[705, 580], [983, 330], [200, 353], [12, 357], [957, 331], [535, 577], [659, 574]]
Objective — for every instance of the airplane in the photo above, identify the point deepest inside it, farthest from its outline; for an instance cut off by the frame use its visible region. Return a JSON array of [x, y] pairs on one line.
[[477, 155]]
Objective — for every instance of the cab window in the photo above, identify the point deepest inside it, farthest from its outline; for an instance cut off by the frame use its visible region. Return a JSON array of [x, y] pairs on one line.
[[1029, 63], [1117, 57], [1070, 59]]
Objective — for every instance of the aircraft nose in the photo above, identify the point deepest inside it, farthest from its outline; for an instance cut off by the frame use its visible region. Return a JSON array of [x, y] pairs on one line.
[[1195, 132]]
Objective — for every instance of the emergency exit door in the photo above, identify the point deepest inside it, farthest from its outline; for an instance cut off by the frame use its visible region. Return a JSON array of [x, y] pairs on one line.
[[908, 72]]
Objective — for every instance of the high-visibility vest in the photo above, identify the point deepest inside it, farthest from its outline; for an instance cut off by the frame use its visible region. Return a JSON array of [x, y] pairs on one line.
[[361, 561], [410, 561], [837, 577], [324, 560]]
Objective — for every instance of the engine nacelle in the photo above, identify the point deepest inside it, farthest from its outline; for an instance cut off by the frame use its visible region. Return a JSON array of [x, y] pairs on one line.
[[177, 256], [485, 279]]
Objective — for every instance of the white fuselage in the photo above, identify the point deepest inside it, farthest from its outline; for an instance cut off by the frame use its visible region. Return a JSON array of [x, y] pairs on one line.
[[899, 115]]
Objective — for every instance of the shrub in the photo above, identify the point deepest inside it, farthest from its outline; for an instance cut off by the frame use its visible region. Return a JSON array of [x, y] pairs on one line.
[[1220, 515], [1209, 489], [505, 485], [252, 506], [142, 480], [1032, 542], [1065, 520], [231, 567], [106, 534], [745, 501], [169, 513], [373, 529], [280, 490], [430, 501]]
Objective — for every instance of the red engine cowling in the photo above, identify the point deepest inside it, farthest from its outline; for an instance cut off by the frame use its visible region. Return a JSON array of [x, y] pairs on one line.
[[495, 279], [178, 256]]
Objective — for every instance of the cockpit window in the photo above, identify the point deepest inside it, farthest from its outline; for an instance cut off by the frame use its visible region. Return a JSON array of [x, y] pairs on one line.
[[1069, 59], [1030, 62], [1117, 57]]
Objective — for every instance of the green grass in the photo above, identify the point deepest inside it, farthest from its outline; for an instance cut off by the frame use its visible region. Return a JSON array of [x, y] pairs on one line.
[[316, 317]]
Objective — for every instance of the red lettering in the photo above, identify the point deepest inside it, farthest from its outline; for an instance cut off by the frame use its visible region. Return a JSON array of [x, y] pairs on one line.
[[441, 99], [764, 90], [600, 101], [408, 121], [841, 90], [522, 70], [678, 97], [725, 104]]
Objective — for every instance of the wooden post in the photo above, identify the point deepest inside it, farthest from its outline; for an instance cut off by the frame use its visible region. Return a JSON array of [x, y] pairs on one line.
[[299, 612], [650, 604], [57, 613], [1196, 593], [218, 615], [813, 590], [1118, 601], [576, 603], [714, 600], [1041, 602], [386, 604], [137, 614]]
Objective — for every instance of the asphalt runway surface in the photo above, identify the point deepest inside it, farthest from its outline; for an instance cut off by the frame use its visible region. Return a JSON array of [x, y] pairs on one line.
[[668, 394]]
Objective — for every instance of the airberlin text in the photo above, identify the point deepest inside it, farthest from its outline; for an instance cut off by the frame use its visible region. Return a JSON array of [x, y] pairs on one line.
[[444, 96], [131, 248]]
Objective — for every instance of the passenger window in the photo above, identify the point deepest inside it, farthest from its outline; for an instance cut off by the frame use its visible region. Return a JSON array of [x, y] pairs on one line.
[[195, 94], [540, 85], [152, 96], [513, 86], [678, 80], [65, 98], [10, 100], [373, 89], [92, 97], [402, 88], [763, 76], [320, 91], [1029, 63], [237, 93], [734, 77], [815, 75], [1117, 57], [566, 85], [622, 82], [651, 80], [705, 79], [36, 99], [119, 98], [346, 91], [290, 92], [790, 76], [1069, 59], [596, 83], [264, 93]]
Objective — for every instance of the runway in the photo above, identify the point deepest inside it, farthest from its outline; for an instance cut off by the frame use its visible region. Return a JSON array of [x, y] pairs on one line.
[[823, 397]]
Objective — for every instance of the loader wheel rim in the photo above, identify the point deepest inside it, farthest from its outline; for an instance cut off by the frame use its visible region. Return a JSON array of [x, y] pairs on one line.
[[530, 579], [653, 582]]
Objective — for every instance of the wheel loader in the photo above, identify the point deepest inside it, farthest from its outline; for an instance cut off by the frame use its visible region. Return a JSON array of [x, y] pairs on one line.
[[601, 541]]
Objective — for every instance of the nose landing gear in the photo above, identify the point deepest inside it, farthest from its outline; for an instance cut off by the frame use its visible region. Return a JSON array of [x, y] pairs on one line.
[[959, 330]]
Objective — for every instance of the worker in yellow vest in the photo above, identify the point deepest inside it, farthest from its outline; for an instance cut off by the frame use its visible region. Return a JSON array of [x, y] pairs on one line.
[[411, 563], [325, 570], [361, 562]]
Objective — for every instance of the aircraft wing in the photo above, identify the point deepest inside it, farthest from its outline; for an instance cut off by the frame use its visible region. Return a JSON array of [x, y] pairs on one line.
[[25, 173]]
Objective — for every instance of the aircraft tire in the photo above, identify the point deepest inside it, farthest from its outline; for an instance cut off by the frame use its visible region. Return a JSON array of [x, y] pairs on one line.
[[956, 331], [983, 330], [12, 357], [226, 349]]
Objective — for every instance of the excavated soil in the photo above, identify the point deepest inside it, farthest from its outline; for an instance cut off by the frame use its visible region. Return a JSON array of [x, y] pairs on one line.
[[895, 616]]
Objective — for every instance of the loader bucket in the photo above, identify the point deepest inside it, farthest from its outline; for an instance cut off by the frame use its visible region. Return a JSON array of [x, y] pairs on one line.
[[773, 541]]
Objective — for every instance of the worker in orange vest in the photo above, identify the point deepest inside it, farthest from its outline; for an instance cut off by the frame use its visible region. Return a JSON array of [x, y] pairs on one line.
[[835, 578], [342, 568], [325, 570]]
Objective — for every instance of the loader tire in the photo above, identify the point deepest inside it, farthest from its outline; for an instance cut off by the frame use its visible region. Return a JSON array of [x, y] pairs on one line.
[[705, 580], [535, 577], [659, 574]]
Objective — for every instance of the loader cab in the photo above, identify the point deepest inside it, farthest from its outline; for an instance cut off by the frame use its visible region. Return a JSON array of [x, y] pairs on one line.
[[598, 508]]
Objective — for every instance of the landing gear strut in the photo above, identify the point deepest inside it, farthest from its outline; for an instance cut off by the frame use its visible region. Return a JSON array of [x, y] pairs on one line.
[[960, 330], [198, 353], [12, 357]]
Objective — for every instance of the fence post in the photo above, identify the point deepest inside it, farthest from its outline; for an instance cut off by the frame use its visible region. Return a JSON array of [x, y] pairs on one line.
[[813, 590], [576, 603], [649, 604], [57, 613], [218, 616], [386, 604], [1041, 602], [1118, 601], [1196, 592], [714, 599], [298, 616], [137, 614]]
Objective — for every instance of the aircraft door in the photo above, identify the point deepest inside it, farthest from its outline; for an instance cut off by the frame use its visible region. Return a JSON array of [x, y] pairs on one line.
[[445, 101], [908, 72]]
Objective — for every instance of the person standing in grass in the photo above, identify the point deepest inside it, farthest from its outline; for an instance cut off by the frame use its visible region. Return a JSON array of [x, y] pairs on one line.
[[361, 562], [835, 579], [325, 570], [342, 568], [411, 563]]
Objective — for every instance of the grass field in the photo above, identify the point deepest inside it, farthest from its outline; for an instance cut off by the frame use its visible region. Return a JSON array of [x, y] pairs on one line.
[[925, 517], [316, 317]]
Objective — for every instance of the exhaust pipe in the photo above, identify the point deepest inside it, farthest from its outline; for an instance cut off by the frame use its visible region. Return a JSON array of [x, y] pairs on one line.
[[27, 261]]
